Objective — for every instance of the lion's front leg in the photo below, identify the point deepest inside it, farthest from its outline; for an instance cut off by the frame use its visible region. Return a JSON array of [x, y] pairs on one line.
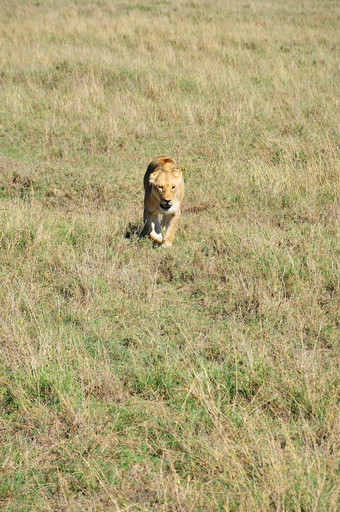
[[147, 223], [155, 232], [171, 224]]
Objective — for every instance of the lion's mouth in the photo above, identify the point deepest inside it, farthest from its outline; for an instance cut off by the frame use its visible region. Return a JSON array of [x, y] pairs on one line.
[[165, 207]]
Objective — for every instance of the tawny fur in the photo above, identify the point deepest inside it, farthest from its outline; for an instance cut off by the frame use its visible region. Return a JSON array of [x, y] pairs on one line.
[[164, 190]]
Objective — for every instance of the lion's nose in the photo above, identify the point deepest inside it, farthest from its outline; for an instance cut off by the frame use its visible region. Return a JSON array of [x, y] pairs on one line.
[[168, 201]]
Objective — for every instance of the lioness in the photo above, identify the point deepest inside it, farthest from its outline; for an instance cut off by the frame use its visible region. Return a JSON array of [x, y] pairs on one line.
[[164, 190]]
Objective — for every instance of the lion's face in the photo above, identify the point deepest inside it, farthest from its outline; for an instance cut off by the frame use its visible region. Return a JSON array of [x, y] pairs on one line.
[[165, 185]]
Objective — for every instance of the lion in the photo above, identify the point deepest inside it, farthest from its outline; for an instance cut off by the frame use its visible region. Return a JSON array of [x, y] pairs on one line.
[[164, 191]]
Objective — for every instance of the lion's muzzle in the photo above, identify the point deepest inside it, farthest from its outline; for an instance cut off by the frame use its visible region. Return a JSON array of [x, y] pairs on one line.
[[167, 205]]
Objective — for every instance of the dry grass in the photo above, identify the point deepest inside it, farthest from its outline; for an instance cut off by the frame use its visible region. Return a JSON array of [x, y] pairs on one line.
[[204, 378]]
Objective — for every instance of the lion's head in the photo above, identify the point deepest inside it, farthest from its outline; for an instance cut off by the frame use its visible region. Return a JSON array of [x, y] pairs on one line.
[[166, 182]]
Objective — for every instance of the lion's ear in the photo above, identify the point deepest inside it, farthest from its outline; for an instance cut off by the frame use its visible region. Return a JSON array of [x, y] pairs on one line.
[[153, 177], [176, 171]]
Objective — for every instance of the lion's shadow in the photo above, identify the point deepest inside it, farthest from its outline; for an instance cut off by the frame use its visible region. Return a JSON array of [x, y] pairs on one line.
[[134, 230]]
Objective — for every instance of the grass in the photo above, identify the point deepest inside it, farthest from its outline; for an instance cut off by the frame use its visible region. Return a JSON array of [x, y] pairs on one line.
[[201, 378]]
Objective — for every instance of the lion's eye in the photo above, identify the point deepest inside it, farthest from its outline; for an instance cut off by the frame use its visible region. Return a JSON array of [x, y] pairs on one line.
[[173, 187]]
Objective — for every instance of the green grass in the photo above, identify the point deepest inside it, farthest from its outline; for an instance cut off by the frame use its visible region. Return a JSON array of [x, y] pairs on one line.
[[205, 377]]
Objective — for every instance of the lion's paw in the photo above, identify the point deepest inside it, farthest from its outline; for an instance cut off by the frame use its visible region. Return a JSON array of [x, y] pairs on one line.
[[167, 244], [156, 237]]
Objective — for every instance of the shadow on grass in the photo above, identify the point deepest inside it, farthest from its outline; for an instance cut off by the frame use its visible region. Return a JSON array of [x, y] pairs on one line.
[[137, 231], [134, 230]]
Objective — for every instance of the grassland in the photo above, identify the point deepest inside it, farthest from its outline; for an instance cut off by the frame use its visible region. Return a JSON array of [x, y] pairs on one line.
[[205, 377]]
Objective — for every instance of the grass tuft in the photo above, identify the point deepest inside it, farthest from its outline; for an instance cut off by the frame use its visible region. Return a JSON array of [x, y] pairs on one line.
[[205, 377]]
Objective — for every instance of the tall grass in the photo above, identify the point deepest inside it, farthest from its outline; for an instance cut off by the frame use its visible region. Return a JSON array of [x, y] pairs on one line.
[[206, 377]]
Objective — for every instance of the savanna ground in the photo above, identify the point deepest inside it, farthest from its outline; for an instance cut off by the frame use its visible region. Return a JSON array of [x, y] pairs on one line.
[[201, 378]]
